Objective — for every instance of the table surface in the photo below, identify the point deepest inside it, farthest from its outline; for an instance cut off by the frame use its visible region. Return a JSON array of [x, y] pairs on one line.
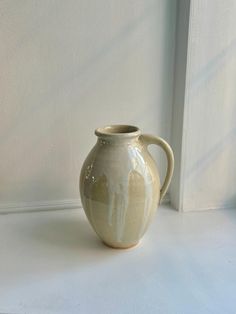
[[52, 262]]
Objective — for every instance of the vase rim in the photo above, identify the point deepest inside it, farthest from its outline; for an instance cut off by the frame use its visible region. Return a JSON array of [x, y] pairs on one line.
[[118, 130]]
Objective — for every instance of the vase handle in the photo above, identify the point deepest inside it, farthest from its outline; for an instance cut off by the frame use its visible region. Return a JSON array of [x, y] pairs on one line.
[[150, 139]]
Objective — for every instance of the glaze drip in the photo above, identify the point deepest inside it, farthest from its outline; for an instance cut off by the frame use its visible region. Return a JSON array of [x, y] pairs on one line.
[[117, 180]]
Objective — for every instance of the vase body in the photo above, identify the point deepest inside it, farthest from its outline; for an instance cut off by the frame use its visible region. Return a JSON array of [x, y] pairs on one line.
[[119, 186]]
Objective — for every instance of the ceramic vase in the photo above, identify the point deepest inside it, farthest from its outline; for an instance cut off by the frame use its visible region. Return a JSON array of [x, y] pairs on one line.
[[120, 186]]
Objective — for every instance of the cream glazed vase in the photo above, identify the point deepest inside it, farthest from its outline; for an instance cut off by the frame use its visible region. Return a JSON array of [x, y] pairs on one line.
[[120, 186]]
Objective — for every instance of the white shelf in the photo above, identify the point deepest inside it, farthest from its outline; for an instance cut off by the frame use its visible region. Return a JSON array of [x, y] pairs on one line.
[[52, 262]]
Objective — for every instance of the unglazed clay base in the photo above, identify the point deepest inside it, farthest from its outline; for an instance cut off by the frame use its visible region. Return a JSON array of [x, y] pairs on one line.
[[121, 247]]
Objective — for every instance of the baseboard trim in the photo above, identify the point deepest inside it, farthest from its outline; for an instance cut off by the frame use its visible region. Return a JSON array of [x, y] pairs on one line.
[[210, 207], [27, 207], [21, 207], [67, 204]]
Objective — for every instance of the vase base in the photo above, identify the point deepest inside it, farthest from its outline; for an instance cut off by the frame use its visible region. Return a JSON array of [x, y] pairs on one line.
[[117, 247]]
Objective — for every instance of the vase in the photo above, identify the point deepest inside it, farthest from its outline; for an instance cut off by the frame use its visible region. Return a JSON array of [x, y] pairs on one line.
[[120, 186]]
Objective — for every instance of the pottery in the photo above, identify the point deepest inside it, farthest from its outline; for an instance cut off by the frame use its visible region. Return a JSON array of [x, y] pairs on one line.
[[120, 186]]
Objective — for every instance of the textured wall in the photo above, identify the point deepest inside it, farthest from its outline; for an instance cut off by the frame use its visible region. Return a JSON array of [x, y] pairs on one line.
[[68, 67]]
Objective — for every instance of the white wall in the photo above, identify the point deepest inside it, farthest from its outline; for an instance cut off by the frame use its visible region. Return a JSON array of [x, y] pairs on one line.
[[66, 68], [208, 161]]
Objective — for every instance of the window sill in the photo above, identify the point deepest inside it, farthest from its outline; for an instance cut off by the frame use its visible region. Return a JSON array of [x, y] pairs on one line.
[[52, 262]]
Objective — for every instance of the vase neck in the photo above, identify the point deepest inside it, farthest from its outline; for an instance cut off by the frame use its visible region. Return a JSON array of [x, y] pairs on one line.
[[114, 133]]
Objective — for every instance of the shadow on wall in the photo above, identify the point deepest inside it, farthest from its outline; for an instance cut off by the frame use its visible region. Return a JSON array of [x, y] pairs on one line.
[[209, 71], [213, 170], [211, 155], [229, 203]]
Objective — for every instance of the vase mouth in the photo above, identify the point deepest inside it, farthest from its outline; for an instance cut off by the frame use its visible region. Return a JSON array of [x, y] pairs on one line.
[[118, 130]]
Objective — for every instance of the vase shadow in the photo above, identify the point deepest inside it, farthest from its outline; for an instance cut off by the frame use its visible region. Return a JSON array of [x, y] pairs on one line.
[[67, 239]]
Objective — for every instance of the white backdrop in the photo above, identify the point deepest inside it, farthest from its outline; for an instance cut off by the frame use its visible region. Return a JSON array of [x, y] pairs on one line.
[[66, 68]]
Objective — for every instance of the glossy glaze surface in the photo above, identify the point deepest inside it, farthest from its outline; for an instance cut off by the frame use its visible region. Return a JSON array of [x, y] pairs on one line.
[[119, 186]]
